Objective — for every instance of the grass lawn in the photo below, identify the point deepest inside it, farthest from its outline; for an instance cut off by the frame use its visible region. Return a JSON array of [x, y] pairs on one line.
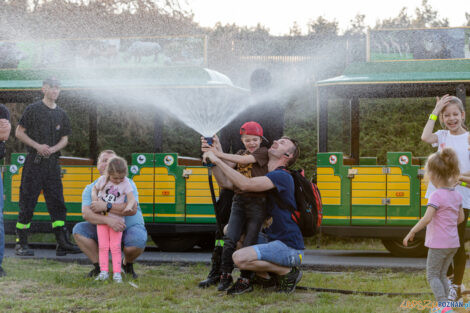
[[46, 286]]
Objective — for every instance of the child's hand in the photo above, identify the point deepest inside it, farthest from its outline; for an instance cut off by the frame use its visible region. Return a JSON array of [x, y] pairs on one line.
[[127, 209], [408, 237], [440, 103]]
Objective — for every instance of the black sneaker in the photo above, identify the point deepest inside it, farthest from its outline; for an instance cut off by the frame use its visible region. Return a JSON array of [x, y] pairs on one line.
[[2, 272], [455, 293], [94, 272], [241, 286], [265, 283], [288, 282], [226, 281], [23, 250], [128, 269]]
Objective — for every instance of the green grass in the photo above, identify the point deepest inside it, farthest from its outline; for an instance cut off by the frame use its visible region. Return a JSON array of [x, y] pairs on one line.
[[47, 286]]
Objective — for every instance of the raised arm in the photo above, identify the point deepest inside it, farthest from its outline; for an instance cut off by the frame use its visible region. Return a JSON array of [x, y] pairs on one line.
[[428, 136]]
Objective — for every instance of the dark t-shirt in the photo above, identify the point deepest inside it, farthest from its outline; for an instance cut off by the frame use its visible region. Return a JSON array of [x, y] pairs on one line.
[[283, 227], [45, 125], [259, 168], [4, 113]]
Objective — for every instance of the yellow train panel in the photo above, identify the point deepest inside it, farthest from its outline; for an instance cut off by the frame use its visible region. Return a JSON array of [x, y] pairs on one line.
[[145, 192], [395, 171], [398, 193], [325, 170], [366, 201], [75, 184], [399, 186], [330, 193], [368, 193], [77, 170], [145, 199], [193, 185], [198, 200], [144, 185], [334, 201], [331, 186], [369, 170], [369, 178], [398, 179], [367, 186], [197, 185], [72, 177], [143, 178], [164, 185], [198, 170], [75, 198], [164, 178], [328, 178], [197, 178], [398, 201], [198, 193], [164, 199], [164, 192]]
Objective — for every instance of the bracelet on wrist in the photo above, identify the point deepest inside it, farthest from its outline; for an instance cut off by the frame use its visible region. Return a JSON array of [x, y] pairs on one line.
[[433, 117]]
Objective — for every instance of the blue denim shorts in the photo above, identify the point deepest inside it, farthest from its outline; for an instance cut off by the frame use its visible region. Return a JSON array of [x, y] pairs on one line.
[[134, 236], [278, 252]]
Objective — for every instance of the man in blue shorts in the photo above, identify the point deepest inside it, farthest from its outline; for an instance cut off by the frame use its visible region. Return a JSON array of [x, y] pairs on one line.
[[280, 250], [134, 235]]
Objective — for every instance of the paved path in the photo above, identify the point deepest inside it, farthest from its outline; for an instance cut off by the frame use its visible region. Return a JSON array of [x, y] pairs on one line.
[[320, 260]]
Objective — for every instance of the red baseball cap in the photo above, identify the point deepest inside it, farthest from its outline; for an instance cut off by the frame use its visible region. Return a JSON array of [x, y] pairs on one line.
[[251, 128]]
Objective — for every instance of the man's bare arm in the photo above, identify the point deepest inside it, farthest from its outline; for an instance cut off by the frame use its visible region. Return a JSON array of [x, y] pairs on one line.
[[255, 184], [60, 145], [117, 208], [96, 218], [20, 133]]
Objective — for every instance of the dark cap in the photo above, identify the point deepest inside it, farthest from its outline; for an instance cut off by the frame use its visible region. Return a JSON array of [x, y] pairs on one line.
[[51, 81]]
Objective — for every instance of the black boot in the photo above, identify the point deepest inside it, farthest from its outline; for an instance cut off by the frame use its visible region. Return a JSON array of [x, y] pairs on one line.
[[64, 245], [22, 247], [214, 275]]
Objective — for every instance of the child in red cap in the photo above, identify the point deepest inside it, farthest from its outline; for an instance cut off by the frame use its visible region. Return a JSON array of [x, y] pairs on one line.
[[248, 209]]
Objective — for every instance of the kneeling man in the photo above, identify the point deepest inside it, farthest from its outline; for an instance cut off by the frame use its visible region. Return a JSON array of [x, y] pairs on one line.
[[281, 249]]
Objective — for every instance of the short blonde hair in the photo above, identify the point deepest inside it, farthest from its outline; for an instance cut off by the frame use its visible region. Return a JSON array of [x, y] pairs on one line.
[[443, 167]]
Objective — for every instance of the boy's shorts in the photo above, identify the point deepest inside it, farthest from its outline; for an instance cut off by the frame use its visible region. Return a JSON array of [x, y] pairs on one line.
[[278, 252], [134, 236]]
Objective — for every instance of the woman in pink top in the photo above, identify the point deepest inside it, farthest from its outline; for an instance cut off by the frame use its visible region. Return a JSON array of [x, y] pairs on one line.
[[113, 187], [443, 214]]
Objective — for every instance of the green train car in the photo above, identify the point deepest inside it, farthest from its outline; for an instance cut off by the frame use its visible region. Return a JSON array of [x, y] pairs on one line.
[[365, 199], [174, 197]]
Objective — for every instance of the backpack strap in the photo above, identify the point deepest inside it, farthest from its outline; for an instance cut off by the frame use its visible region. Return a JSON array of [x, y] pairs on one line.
[[281, 203]]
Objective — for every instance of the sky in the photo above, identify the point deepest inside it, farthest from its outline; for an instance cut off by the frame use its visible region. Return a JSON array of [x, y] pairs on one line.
[[279, 15]]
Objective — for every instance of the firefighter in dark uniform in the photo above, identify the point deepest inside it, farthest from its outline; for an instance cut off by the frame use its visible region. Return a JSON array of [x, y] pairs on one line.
[[44, 128], [270, 115]]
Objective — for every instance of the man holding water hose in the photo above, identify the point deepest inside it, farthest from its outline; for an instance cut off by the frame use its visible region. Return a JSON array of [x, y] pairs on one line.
[[279, 253], [270, 115]]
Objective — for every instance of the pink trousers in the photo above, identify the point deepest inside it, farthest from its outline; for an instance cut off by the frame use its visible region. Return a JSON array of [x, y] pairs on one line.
[[109, 239]]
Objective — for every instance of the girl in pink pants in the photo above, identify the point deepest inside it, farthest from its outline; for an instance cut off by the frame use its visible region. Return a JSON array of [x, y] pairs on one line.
[[113, 187]]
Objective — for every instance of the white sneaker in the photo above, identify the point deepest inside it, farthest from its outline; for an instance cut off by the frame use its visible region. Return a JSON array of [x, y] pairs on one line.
[[102, 276], [117, 278]]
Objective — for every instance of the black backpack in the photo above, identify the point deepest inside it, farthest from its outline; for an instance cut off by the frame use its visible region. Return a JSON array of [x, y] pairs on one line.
[[308, 214]]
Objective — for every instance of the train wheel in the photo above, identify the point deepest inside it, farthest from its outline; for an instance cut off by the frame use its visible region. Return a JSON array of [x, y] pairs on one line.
[[415, 248], [175, 244]]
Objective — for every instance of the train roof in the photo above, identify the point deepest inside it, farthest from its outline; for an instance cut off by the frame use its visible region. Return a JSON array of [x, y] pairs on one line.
[[106, 78], [399, 78]]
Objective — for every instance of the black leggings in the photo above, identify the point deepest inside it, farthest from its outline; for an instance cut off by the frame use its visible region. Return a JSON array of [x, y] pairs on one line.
[[460, 257]]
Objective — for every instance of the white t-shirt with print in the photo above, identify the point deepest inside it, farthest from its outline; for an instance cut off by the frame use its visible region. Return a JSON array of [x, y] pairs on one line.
[[460, 145]]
